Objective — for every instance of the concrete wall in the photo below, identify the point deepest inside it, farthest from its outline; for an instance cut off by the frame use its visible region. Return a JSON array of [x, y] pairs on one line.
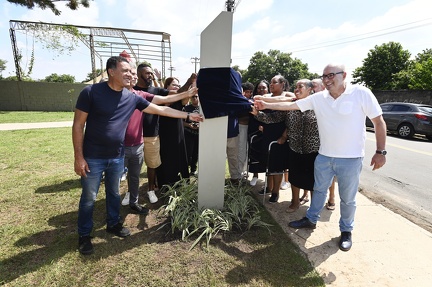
[[411, 96], [40, 96]]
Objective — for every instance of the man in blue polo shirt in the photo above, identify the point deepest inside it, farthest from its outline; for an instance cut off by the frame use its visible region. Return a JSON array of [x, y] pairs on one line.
[[104, 111]]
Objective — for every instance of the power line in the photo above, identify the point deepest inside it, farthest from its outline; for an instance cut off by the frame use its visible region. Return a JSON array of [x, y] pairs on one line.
[[373, 32], [345, 40], [320, 45]]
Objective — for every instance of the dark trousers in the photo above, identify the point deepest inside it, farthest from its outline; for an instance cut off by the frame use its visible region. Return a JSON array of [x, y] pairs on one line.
[[192, 150]]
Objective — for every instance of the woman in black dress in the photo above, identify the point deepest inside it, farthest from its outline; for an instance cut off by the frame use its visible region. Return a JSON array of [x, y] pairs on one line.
[[303, 137], [172, 142], [275, 156]]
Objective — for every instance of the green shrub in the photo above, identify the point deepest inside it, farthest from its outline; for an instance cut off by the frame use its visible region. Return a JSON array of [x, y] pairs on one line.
[[241, 212]]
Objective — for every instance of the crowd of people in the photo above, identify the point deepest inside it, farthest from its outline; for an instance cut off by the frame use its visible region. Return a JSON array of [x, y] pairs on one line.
[[326, 133], [306, 138]]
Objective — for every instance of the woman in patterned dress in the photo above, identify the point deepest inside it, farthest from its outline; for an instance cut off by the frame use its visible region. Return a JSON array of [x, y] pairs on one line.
[[303, 139]]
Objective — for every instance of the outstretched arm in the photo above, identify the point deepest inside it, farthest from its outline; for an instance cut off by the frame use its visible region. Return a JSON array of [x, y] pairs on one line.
[[280, 106], [171, 98], [286, 97], [173, 113]]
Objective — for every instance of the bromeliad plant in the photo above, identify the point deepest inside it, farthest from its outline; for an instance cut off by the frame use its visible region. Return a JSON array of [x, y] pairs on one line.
[[240, 212]]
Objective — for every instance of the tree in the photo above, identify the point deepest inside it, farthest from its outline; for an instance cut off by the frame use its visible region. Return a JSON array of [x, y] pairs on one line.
[[424, 56], [262, 66], [381, 65], [417, 75], [64, 78], [2, 67], [90, 75], [43, 4], [15, 78], [421, 71]]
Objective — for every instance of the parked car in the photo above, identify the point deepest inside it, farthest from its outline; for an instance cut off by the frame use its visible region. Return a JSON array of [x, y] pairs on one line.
[[407, 119]]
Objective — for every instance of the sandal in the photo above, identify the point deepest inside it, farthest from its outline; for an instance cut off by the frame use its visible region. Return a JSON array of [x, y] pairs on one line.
[[304, 199], [330, 206]]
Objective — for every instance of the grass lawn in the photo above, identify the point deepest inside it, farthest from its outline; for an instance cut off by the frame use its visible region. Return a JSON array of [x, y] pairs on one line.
[[39, 196]]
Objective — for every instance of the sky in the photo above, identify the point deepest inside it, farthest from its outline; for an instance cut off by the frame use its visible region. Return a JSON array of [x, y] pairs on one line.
[[315, 32]]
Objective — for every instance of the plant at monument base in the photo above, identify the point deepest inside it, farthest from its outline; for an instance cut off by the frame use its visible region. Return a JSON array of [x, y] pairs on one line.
[[240, 212]]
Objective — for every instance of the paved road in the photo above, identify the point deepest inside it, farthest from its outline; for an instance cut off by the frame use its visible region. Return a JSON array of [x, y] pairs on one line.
[[404, 183]]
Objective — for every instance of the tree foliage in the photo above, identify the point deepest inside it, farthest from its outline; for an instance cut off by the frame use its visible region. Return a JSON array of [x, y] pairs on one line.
[[55, 78], [15, 78], [417, 75], [381, 65], [59, 38], [2, 67], [44, 4], [421, 71], [90, 75], [266, 66]]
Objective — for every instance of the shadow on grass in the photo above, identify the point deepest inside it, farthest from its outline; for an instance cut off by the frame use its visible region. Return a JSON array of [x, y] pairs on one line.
[[272, 264], [51, 245], [66, 185]]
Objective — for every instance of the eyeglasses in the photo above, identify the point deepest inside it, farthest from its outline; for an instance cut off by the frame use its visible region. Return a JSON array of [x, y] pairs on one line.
[[330, 75]]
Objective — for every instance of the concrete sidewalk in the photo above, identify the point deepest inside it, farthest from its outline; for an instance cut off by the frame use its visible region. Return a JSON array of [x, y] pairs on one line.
[[25, 126], [388, 250]]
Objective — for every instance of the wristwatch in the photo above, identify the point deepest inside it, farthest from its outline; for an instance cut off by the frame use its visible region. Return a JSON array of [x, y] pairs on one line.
[[383, 152]]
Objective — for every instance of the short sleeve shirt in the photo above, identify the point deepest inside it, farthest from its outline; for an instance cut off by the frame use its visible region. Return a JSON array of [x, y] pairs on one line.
[[341, 121], [151, 122], [108, 112]]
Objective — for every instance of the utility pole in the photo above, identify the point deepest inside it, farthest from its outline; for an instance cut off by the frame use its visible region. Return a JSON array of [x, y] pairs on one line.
[[171, 69], [195, 60], [230, 5]]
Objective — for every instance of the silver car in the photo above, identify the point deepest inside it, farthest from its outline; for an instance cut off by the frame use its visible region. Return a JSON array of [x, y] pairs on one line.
[[407, 119]]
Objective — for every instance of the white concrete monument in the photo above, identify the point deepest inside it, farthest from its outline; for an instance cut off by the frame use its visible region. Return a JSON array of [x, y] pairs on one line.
[[215, 51]]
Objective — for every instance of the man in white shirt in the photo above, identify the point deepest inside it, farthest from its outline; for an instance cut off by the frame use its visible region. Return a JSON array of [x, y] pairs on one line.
[[341, 112]]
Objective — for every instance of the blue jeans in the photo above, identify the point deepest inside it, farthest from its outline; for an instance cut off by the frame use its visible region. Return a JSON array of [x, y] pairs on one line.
[[134, 159], [347, 171], [113, 169]]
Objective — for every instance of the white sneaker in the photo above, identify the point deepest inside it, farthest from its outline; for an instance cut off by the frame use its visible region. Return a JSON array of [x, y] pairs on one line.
[[124, 175], [152, 196], [125, 200], [253, 181], [284, 185]]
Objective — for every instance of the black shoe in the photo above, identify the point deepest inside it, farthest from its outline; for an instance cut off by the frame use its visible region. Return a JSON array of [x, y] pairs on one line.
[[345, 242], [118, 230], [139, 209], [85, 245], [274, 198], [302, 223]]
